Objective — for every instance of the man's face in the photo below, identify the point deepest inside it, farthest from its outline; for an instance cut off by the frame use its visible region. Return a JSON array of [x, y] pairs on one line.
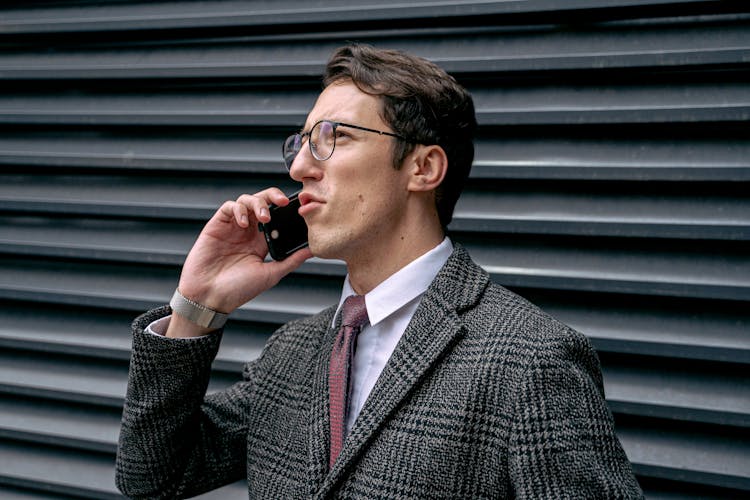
[[352, 201]]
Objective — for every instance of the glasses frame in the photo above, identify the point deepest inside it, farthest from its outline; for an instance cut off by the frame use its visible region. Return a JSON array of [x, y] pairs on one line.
[[288, 163]]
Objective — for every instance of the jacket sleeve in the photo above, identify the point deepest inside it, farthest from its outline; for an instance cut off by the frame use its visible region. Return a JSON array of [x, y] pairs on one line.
[[563, 442], [173, 443]]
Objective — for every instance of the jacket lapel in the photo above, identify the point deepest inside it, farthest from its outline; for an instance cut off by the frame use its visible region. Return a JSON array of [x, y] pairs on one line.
[[435, 327]]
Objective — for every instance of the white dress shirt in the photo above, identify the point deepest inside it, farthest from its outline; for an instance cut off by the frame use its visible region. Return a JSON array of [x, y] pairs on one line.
[[390, 307]]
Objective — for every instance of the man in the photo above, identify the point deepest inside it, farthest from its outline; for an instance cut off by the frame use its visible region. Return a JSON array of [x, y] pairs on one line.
[[436, 383]]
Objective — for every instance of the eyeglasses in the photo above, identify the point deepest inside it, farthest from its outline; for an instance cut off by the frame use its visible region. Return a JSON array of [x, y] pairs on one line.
[[322, 140]]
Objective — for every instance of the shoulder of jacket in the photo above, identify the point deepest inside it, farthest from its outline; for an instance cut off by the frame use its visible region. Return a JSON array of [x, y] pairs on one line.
[[518, 321]]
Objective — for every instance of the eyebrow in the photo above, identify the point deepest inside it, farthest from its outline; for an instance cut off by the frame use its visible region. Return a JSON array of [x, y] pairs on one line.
[[302, 130]]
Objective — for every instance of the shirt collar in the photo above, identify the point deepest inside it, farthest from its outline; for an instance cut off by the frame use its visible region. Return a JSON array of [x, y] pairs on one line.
[[403, 286]]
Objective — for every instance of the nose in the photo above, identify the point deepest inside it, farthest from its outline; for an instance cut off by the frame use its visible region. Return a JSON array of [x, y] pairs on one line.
[[305, 166]]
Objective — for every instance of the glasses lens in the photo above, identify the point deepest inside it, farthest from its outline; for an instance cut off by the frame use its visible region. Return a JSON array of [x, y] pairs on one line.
[[322, 140], [292, 146]]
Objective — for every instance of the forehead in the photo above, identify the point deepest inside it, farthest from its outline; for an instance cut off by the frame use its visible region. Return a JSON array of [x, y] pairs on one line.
[[343, 101]]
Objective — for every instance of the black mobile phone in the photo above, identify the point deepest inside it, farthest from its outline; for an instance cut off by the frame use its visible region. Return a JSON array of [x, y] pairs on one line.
[[286, 232]]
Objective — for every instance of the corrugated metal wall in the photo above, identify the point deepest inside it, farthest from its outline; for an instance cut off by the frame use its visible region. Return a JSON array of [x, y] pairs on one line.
[[610, 187]]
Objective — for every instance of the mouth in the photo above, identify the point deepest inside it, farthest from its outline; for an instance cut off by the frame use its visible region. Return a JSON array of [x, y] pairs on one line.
[[305, 198], [308, 203]]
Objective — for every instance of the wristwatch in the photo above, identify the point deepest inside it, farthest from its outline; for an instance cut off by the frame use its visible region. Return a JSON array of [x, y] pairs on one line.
[[197, 313]]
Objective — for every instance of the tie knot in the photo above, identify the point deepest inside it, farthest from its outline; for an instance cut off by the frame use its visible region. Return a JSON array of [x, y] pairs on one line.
[[354, 311]]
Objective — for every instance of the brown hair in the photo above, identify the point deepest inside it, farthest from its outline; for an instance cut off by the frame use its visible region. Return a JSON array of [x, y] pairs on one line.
[[421, 102]]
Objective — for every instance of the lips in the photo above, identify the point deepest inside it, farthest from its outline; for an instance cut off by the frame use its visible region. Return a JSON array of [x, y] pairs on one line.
[[308, 203], [305, 198]]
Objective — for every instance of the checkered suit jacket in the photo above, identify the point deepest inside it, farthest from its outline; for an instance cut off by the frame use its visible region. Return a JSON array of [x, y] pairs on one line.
[[485, 396]]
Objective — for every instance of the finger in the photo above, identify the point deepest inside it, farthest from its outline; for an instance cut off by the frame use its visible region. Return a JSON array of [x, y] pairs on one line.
[[271, 195], [253, 205], [301, 255], [240, 214], [226, 211], [258, 204], [276, 196]]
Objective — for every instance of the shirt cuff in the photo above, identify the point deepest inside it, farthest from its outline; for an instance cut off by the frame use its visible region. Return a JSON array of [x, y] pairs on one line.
[[159, 328]]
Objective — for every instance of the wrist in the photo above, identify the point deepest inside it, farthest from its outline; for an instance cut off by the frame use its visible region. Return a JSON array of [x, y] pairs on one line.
[[196, 312], [179, 327], [202, 294]]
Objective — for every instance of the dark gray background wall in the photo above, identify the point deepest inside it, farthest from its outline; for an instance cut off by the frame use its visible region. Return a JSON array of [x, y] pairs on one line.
[[610, 187]]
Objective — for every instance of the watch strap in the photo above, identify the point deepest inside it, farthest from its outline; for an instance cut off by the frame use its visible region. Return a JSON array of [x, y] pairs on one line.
[[197, 313]]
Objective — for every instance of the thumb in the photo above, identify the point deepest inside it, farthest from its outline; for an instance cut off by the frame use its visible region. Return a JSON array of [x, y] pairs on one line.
[[286, 266]]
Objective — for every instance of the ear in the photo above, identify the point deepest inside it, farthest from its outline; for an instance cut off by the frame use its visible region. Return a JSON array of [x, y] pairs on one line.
[[428, 166]]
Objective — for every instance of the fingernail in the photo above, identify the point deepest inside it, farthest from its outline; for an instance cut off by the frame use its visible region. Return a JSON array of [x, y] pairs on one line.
[[263, 212], [244, 219]]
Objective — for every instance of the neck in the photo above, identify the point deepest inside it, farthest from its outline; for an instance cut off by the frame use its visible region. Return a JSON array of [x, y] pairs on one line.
[[371, 266]]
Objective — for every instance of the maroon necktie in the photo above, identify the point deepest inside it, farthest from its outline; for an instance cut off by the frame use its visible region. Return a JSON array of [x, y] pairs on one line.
[[353, 317]]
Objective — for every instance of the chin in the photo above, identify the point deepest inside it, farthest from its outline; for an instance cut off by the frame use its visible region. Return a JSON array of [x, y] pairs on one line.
[[322, 251], [316, 247], [325, 247]]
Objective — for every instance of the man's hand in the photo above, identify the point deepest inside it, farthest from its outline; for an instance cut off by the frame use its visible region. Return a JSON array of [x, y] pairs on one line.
[[226, 267]]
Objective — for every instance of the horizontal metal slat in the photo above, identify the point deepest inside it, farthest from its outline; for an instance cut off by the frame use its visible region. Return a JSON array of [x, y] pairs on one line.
[[576, 104], [179, 197], [287, 108], [462, 51], [569, 210], [234, 491], [150, 241], [69, 472], [665, 489], [696, 456], [661, 273], [247, 154], [110, 209], [11, 493], [106, 334], [74, 472], [627, 158], [59, 423], [139, 288], [594, 268], [77, 380], [633, 157], [707, 331], [650, 269], [222, 14], [78, 428], [94, 382], [658, 389], [603, 213], [160, 241]]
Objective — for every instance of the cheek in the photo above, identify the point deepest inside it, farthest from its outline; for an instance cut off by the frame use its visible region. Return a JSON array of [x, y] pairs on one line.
[[361, 205]]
